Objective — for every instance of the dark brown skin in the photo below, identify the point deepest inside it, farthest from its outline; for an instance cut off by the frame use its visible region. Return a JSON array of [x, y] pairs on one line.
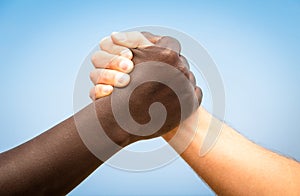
[[56, 161], [53, 163]]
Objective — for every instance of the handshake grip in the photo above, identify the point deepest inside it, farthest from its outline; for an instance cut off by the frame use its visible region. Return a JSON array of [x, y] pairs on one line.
[[161, 94]]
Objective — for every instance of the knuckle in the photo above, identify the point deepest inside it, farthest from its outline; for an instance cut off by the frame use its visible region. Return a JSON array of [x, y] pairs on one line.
[[94, 58], [103, 43], [92, 93], [97, 93], [199, 94], [184, 62], [170, 54], [92, 76]]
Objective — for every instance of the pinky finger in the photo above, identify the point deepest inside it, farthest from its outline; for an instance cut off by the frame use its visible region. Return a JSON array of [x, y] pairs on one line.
[[100, 90]]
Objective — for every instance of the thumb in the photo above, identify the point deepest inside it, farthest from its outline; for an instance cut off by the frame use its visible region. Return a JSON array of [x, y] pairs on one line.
[[170, 43], [130, 39]]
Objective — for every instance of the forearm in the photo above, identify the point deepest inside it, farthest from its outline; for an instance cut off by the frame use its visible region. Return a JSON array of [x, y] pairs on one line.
[[52, 163], [236, 166]]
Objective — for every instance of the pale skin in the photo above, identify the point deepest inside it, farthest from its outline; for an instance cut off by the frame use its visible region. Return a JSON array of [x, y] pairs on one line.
[[234, 166]]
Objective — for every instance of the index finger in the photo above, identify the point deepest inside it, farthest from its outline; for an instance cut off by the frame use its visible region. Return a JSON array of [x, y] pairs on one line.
[[132, 39]]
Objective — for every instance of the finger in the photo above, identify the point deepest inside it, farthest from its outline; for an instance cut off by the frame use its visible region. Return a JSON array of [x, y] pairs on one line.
[[184, 61], [100, 90], [192, 78], [110, 77], [199, 94], [184, 70], [130, 39], [107, 45], [170, 43], [102, 59]]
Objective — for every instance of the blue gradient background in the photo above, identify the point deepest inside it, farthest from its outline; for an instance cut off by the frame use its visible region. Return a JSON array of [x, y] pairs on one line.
[[255, 45]]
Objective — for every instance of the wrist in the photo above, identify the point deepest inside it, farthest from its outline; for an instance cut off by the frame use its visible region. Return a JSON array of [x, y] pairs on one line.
[[102, 141], [195, 127]]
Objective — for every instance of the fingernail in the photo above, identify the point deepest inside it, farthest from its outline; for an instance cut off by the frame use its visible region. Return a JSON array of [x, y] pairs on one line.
[[122, 80], [126, 65], [119, 36], [107, 89], [126, 53]]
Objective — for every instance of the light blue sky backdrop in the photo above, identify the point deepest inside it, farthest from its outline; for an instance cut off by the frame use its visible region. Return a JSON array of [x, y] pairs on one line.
[[256, 45]]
